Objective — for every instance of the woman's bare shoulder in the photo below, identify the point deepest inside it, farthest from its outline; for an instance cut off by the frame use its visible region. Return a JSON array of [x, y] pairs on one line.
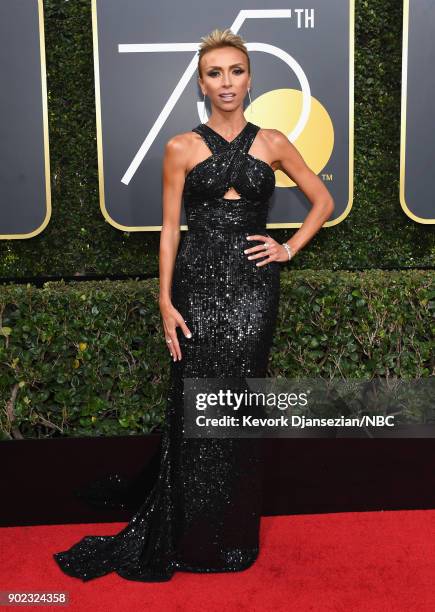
[[271, 136], [180, 148], [178, 143]]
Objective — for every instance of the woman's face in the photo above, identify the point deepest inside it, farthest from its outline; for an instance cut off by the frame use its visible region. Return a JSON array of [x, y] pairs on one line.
[[225, 71]]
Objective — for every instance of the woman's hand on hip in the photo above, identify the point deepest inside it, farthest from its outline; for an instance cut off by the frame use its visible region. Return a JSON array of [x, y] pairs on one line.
[[269, 250]]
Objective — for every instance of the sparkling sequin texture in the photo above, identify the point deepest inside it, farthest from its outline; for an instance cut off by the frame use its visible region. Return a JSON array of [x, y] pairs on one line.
[[203, 512]]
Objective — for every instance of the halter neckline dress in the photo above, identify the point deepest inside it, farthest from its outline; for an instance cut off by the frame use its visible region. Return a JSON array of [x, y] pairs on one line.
[[203, 512]]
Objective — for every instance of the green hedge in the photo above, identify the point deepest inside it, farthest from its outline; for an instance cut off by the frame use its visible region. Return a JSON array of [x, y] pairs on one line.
[[90, 358], [78, 241]]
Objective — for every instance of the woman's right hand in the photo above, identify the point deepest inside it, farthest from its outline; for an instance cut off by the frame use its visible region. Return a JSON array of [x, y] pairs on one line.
[[171, 319]]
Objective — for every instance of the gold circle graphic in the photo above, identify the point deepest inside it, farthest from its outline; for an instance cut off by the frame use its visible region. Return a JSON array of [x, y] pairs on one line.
[[280, 109]]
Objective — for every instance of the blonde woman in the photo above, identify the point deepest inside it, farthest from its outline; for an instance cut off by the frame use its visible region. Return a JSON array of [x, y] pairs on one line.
[[219, 296]]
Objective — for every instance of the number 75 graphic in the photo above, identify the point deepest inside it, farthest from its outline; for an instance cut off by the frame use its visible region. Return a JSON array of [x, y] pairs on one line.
[[191, 67]]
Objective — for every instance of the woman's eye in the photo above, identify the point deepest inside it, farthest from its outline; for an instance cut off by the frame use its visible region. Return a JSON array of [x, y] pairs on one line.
[[215, 72]]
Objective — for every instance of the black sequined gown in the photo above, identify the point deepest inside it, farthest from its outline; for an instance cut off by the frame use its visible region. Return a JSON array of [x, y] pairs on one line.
[[203, 513]]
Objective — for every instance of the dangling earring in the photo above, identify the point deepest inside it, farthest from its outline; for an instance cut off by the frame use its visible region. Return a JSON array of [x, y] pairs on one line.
[[250, 101], [204, 114]]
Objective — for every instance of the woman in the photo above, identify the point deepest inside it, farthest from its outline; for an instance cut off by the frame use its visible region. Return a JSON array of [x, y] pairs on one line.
[[219, 298]]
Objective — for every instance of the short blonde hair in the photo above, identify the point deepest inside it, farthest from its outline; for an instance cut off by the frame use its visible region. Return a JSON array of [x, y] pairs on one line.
[[218, 39]]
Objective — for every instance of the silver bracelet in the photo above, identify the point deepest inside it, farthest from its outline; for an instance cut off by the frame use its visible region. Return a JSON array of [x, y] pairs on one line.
[[288, 249]]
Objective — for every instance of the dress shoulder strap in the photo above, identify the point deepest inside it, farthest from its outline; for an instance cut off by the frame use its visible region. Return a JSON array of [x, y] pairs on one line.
[[249, 136], [211, 139]]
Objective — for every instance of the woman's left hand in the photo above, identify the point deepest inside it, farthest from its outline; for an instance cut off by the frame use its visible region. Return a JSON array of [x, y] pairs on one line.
[[273, 252]]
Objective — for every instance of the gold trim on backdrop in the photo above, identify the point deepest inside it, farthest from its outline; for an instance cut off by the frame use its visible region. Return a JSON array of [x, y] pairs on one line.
[[108, 218], [44, 224], [405, 50], [348, 208], [137, 228]]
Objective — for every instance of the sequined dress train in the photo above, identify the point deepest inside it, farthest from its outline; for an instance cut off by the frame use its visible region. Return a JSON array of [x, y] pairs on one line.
[[203, 512]]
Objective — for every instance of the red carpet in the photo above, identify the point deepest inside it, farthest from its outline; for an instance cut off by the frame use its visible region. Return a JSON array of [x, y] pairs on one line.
[[347, 562]]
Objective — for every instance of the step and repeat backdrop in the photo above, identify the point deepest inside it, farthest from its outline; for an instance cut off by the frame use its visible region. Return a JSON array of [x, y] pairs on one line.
[[417, 146], [146, 91], [25, 202]]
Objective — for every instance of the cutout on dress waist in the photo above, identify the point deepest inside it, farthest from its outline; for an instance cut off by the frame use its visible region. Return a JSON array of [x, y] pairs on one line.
[[231, 199]]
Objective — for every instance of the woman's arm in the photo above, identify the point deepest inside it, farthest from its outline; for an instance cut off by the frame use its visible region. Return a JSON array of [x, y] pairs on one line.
[[174, 170], [173, 183], [288, 159], [291, 162]]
